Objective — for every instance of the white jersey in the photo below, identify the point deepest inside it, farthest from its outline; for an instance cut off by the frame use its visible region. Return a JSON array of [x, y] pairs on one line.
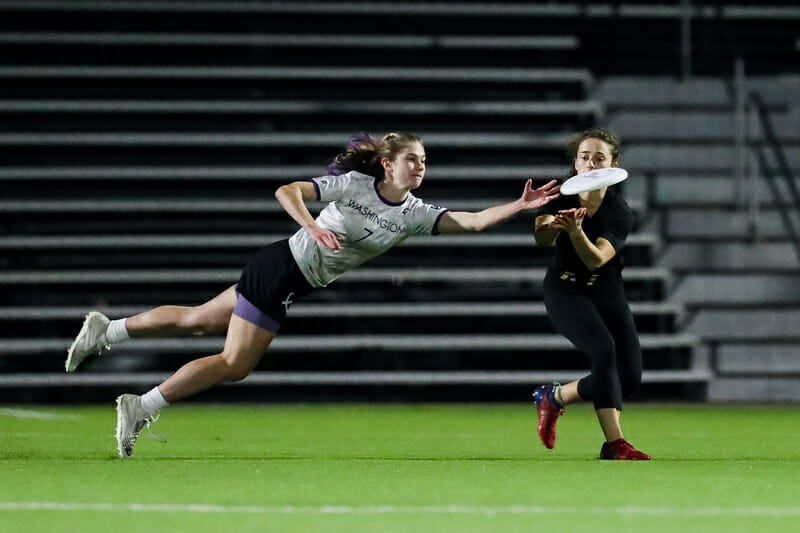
[[366, 224]]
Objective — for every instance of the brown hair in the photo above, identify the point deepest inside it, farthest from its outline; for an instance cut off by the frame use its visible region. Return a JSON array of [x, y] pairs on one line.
[[603, 134], [363, 153]]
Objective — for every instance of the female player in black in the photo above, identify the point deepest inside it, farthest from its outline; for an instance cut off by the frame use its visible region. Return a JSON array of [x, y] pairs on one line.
[[585, 299]]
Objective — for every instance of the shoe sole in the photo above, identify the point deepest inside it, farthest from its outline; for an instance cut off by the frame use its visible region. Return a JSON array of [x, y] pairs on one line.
[[543, 436], [120, 449], [71, 351], [539, 408]]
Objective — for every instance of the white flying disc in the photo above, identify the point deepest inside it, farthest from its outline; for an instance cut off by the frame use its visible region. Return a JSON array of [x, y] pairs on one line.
[[593, 180]]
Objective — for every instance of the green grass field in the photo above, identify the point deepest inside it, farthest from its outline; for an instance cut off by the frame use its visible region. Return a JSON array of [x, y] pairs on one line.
[[390, 468]]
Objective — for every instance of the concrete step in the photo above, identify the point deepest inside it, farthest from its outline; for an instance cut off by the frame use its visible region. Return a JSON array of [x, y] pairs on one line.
[[361, 275], [366, 284], [290, 40], [637, 92], [331, 141], [343, 73], [330, 318], [716, 190], [737, 289], [343, 378], [327, 9], [742, 325], [767, 358], [273, 174], [753, 389], [671, 11], [215, 250], [343, 342], [358, 352], [665, 124], [210, 241], [653, 92], [717, 156], [707, 126], [197, 205], [350, 310], [730, 257], [287, 107], [715, 223]]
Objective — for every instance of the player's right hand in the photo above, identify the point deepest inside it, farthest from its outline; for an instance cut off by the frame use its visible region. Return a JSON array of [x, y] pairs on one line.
[[325, 238]]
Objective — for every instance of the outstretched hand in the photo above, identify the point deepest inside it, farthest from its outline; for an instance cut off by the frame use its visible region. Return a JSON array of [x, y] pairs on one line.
[[534, 198]]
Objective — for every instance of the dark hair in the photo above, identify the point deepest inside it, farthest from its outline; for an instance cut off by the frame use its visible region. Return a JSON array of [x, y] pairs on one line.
[[363, 153], [574, 142]]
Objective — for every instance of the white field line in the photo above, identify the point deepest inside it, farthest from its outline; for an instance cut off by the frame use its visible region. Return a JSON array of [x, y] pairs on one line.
[[31, 413], [488, 510]]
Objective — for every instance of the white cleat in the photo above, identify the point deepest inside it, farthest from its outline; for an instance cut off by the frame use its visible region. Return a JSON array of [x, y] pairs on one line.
[[90, 340], [131, 419]]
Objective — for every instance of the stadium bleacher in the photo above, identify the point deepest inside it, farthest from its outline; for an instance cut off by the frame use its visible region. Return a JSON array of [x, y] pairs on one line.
[[142, 142]]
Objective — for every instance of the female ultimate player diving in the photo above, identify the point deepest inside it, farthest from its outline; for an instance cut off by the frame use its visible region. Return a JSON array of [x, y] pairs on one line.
[[370, 210]]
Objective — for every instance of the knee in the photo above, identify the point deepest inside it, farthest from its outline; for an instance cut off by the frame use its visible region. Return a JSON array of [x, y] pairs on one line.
[[237, 373], [630, 383], [604, 361]]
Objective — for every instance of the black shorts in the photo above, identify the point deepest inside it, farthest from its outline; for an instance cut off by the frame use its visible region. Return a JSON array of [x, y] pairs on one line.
[[268, 285]]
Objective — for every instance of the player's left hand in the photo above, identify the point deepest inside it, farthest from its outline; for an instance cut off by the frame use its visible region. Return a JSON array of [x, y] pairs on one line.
[[569, 220]]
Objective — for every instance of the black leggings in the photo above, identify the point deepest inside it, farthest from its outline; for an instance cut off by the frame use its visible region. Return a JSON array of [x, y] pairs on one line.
[[598, 321]]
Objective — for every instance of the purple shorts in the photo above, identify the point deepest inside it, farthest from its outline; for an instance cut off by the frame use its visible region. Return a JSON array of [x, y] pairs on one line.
[[268, 286], [247, 311]]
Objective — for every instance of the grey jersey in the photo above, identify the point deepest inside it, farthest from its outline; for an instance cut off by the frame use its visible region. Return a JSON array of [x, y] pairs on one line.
[[366, 223]]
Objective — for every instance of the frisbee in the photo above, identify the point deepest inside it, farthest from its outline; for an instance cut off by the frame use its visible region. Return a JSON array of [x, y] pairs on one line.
[[593, 180]]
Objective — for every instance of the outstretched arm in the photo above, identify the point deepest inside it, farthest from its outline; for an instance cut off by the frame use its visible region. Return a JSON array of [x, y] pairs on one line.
[[462, 221], [293, 198]]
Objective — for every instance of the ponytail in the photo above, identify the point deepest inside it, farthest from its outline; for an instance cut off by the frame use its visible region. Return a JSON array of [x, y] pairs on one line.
[[363, 153], [360, 154]]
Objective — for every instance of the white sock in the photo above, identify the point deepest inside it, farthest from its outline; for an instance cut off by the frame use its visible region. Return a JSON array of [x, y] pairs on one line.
[[557, 397], [153, 402], [116, 331]]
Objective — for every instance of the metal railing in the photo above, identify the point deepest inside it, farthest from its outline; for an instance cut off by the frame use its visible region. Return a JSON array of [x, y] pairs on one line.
[[761, 143]]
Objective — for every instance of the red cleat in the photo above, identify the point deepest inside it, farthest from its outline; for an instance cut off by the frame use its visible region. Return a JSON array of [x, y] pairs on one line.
[[622, 451], [548, 414]]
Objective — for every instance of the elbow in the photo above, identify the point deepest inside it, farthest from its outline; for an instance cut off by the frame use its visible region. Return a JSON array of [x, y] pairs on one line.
[[469, 229], [543, 239], [476, 228], [594, 263], [473, 224], [286, 193], [280, 192]]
